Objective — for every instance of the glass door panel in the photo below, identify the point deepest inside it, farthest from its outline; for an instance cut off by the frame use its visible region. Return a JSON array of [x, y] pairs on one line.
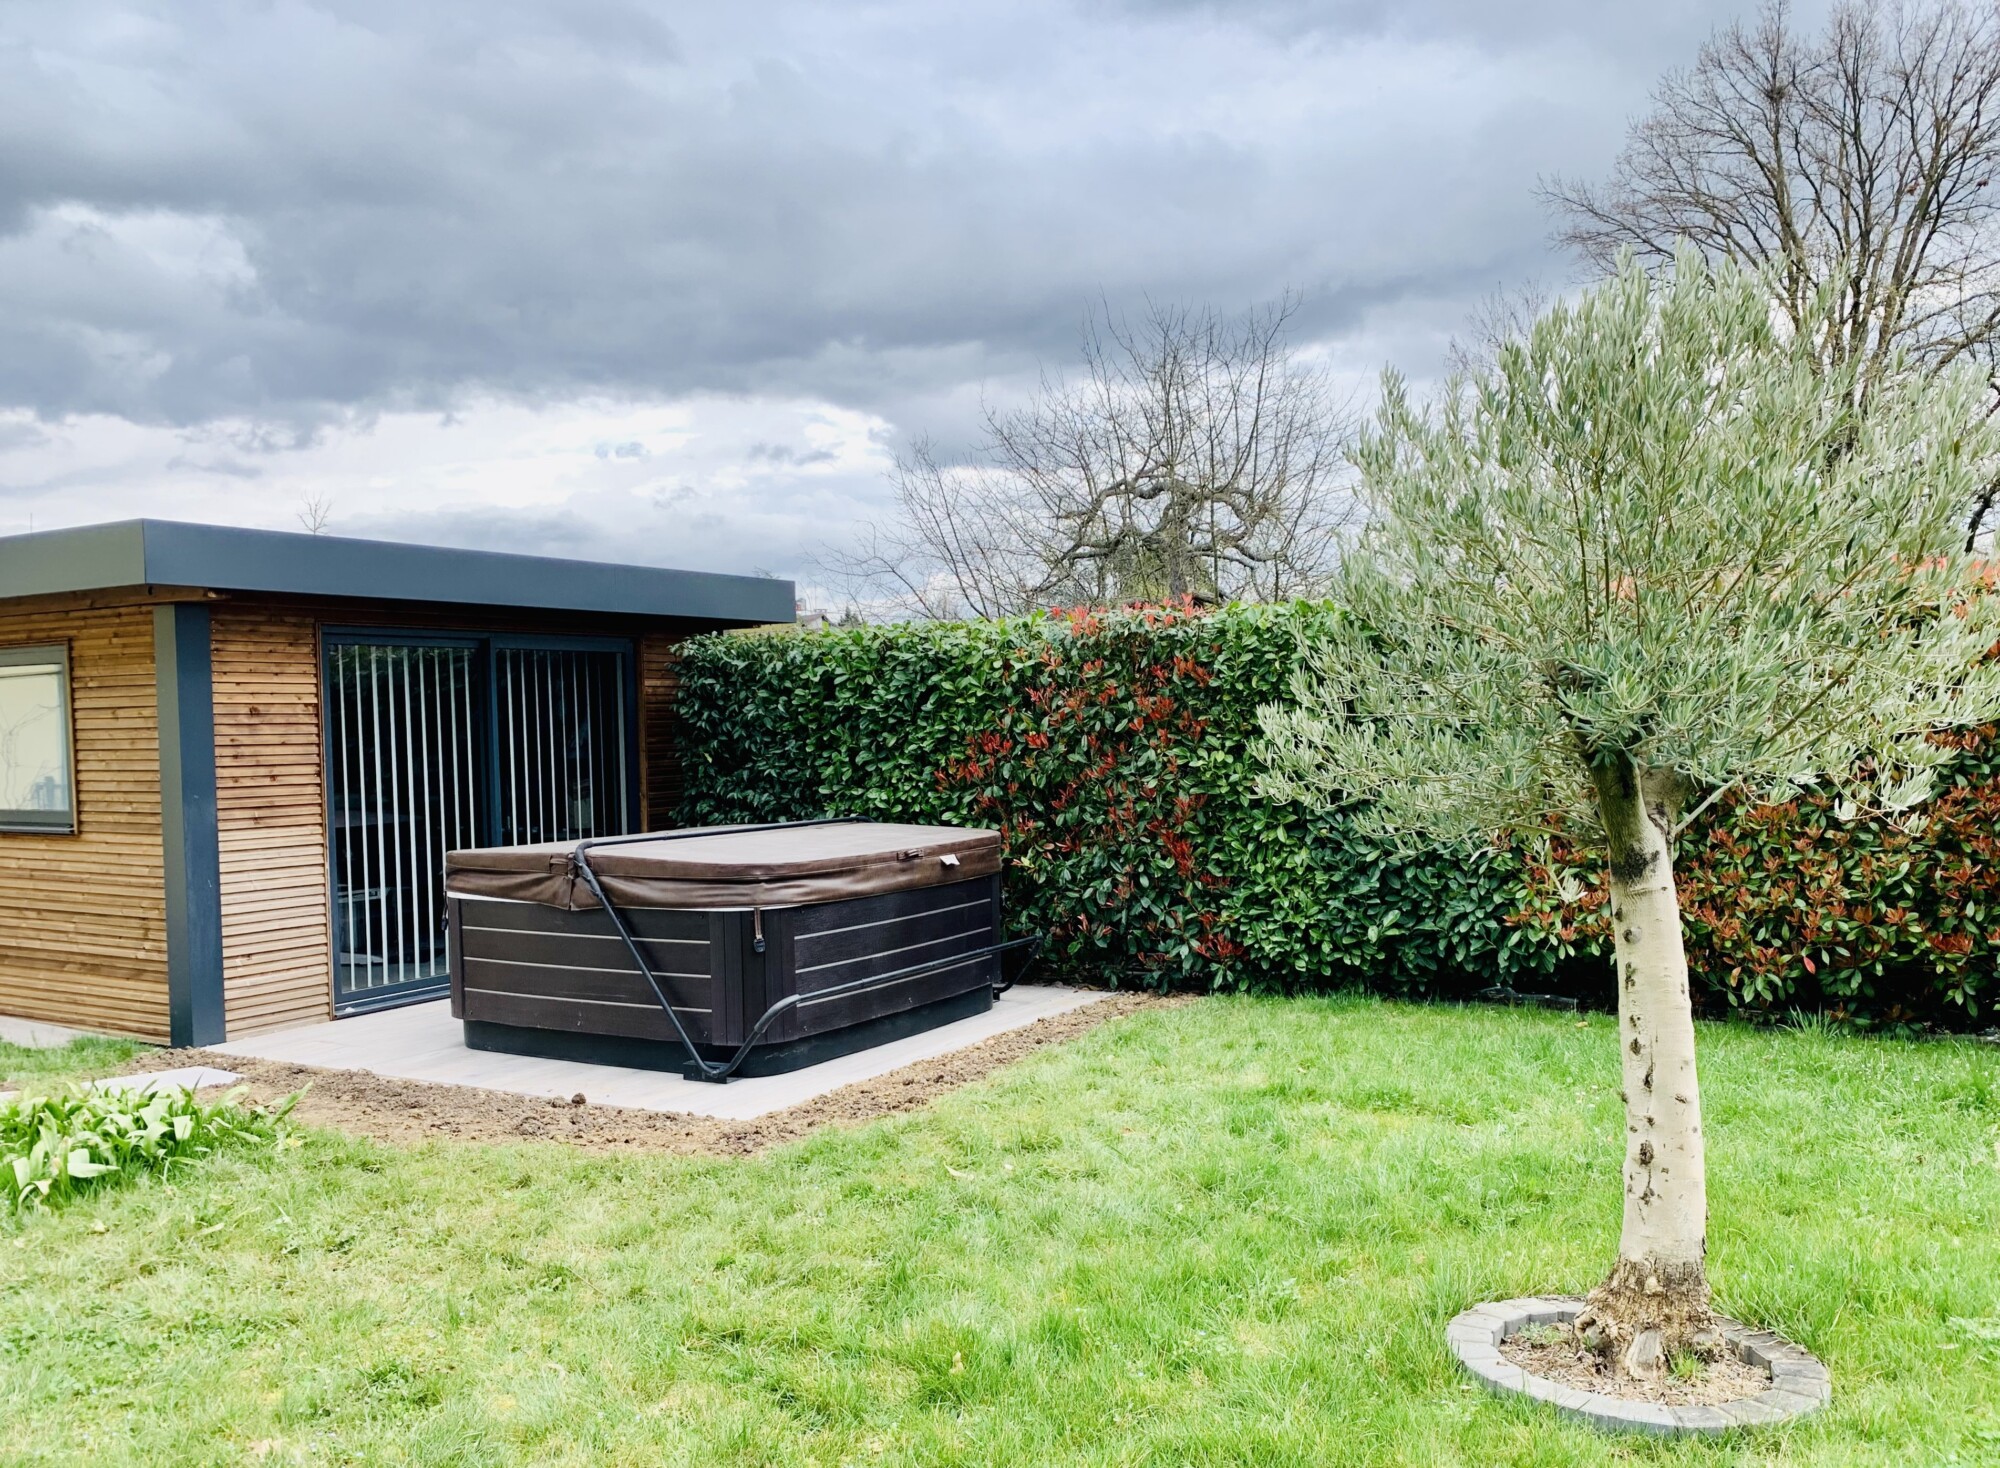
[[437, 744], [559, 737], [404, 784]]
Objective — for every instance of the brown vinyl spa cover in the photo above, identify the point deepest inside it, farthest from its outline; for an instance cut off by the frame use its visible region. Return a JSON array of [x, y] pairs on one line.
[[782, 866]]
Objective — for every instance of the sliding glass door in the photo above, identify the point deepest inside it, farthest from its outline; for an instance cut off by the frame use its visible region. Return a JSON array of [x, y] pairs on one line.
[[559, 718], [435, 744]]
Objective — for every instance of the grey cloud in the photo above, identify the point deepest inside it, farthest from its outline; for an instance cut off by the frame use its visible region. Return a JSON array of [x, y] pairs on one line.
[[229, 468], [294, 214], [1518, 21], [18, 435], [1667, 29], [667, 536], [778, 453]]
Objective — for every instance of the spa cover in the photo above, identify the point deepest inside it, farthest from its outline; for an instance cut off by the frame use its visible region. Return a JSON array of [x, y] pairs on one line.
[[731, 867]]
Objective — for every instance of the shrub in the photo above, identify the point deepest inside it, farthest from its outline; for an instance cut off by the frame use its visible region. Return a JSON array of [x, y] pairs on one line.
[[1110, 749], [53, 1146], [1803, 905]]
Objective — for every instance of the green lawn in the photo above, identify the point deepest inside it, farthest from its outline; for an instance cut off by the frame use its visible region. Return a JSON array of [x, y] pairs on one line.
[[20, 1066], [1228, 1233]]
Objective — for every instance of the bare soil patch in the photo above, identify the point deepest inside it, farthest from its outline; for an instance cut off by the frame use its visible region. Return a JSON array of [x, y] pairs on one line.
[[1553, 1352], [399, 1111]]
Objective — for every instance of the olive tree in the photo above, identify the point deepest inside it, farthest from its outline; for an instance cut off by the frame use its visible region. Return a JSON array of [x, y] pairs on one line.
[[1651, 552]]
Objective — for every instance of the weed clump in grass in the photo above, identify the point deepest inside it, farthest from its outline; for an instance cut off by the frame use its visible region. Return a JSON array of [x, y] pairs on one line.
[[54, 1145]]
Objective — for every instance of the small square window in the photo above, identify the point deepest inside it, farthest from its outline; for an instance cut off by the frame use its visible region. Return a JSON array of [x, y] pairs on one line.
[[37, 788]]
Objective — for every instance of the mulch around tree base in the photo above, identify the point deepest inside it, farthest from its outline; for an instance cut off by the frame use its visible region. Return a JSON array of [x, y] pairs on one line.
[[1555, 1354], [390, 1110]]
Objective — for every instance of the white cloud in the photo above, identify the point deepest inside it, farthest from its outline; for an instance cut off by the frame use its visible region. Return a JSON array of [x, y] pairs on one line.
[[714, 482]]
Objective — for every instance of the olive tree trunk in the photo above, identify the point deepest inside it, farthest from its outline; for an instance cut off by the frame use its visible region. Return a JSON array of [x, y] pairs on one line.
[[1655, 1302]]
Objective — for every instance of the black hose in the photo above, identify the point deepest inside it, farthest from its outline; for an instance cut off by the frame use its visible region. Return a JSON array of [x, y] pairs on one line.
[[718, 1072]]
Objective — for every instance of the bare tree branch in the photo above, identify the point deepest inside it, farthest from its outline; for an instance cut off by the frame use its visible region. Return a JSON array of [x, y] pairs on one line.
[[316, 513], [1864, 162], [1194, 456]]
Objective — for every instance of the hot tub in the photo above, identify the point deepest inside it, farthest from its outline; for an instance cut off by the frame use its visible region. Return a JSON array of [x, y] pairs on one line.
[[776, 946]]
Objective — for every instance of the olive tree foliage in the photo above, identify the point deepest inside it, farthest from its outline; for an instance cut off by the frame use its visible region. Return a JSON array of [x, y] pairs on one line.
[[1194, 456], [1859, 167], [1655, 550]]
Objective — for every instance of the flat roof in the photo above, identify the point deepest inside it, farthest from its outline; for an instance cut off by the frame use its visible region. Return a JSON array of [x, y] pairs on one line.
[[227, 558]]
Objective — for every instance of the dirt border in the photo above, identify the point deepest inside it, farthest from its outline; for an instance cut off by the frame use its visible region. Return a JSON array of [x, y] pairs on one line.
[[408, 1112]]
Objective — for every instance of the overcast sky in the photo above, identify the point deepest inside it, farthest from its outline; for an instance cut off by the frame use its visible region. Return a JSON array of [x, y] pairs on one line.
[[670, 283]]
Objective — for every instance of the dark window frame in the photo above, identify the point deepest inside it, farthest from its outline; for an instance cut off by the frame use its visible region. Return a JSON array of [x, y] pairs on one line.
[[484, 645], [48, 823]]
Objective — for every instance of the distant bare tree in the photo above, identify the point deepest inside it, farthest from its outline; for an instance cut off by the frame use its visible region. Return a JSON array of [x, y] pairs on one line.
[[1857, 162], [1196, 456], [1505, 314], [316, 513]]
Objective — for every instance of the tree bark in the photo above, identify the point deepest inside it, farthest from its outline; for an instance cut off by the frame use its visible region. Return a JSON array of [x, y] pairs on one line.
[[1655, 1302], [1981, 508]]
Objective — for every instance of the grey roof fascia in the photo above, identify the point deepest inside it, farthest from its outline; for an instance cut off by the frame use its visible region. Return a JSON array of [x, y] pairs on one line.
[[88, 558], [228, 558]]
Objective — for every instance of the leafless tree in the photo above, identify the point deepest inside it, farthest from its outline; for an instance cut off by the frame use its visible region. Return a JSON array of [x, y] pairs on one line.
[[316, 513], [1505, 314], [1195, 455], [1860, 162]]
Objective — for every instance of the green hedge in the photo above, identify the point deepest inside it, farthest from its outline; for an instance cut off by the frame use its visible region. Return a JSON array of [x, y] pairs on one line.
[[1790, 906], [1111, 750]]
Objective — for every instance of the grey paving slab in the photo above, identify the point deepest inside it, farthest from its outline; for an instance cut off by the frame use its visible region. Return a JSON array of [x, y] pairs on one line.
[[187, 1077], [36, 1034], [422, 1042]]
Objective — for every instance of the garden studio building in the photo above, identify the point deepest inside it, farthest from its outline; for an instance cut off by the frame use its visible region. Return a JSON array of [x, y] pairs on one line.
[[232, 761]]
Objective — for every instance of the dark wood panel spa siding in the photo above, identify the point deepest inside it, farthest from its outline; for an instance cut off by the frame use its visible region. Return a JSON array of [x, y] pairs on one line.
[[840, 942], [519, 963], [515, 963]]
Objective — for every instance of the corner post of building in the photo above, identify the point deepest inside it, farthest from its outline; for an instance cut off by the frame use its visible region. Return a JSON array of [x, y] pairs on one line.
[[188, 822]]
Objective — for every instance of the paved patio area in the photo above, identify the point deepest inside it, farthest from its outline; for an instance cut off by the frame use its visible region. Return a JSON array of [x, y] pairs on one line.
[[422, 1042], [37, 1034]]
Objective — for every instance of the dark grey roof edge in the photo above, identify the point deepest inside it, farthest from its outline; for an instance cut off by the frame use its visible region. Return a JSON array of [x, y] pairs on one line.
[[230, 558]]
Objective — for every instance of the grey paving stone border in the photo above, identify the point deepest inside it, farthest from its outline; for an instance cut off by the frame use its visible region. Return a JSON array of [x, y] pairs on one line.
[[1799, 1383]]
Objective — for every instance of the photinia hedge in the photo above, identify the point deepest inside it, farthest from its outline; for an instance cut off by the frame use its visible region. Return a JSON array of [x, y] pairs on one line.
[[1112, 751], [1793, 907]]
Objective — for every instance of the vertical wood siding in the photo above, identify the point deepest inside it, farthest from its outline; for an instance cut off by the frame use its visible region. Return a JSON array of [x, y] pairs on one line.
[[659, 730], [83, 918], [271, 820]]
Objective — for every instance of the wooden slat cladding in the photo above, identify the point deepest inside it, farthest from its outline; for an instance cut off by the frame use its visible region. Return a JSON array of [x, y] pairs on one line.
[[659, 730], [270, 819], [658, 677], [83, 918]]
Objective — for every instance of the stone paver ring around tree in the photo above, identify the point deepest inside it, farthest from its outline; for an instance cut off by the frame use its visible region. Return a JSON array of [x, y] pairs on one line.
[[1799, 1383]]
